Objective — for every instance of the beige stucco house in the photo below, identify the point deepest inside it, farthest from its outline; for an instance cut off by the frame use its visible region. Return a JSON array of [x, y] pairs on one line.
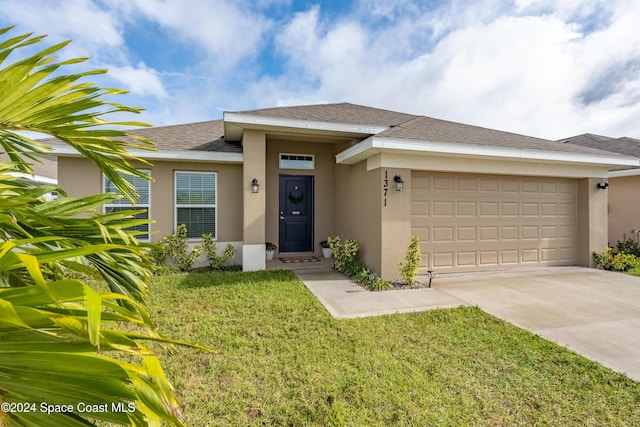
[[624, 186], [477, 198]]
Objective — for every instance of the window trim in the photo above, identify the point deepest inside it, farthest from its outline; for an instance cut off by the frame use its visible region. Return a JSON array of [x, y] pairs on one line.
[[214, 206], [312, 156], [141, 206]]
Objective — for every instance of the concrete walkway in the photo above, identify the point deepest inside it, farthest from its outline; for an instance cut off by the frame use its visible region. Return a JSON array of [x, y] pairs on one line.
[[595, 313]]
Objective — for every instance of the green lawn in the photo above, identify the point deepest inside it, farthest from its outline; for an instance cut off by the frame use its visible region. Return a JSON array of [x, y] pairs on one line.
[[280, 359]]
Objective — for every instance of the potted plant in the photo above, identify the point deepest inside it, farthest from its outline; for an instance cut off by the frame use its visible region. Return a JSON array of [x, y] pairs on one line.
[[271, 250], [326, 250]]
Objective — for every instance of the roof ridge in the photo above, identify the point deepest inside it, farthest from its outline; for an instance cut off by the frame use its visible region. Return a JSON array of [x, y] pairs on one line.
[[174, 125], [326, 104]]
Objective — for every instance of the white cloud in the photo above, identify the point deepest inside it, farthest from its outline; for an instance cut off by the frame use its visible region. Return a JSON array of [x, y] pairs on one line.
[[488, 65], [140, 80], [547, 68], [226, 31], [82, 21]]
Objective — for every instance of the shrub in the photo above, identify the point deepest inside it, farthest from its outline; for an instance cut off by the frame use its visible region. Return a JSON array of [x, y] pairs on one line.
[[175, 247], [629, 246], [409, 267], [345, 261], [217, 262], [618, 262], [603, 259], [624, 262], [343, 255]]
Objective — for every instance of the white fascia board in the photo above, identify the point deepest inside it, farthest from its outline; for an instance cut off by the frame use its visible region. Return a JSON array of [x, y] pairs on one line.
[[177, 155], [625, 172], [36, 178], [312, 125], [374, 145], [357, 152]]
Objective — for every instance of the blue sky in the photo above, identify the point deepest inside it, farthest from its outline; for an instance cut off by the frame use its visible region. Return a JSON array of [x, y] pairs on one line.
[[547, 68]]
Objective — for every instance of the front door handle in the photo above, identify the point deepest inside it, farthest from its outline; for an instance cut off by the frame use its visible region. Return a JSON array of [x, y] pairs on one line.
[[281, 215]]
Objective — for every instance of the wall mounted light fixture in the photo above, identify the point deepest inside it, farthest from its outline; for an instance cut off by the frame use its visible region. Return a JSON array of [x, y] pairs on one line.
[[255, 187], [399, 182], [603, 185]]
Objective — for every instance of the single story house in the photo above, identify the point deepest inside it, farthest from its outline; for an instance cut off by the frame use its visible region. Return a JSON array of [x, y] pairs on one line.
[[624, 185], [477, 198]]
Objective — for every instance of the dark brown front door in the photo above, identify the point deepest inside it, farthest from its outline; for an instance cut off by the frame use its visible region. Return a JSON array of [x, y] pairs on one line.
[[296, 213]]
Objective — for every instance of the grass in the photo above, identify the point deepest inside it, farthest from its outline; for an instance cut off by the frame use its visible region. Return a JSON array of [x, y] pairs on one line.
[[634, 272], [280, 359]]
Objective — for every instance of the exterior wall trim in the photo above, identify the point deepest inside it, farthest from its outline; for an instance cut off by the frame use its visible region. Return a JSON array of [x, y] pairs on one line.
[[438, 163], [175, 155], [374, 145]]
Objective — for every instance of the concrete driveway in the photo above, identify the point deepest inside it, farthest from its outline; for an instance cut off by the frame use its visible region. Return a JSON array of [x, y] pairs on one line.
[[593, 312]]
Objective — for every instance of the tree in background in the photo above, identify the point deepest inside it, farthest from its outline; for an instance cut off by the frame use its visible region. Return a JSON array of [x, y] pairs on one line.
[[71, 353]]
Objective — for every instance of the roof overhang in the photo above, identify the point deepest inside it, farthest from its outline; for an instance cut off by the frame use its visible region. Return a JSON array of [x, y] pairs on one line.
[[236, 123], [39, 179], [164, 155], [375, 145], [624, 172]]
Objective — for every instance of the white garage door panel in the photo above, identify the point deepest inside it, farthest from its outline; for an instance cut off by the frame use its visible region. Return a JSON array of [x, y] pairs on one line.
[[479, 221]]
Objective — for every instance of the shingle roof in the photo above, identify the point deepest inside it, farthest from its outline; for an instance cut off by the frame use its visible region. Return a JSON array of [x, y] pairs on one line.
[[201, 136], [209, 135], [338, 113], [421, 128], [436, 130], [625, 145]]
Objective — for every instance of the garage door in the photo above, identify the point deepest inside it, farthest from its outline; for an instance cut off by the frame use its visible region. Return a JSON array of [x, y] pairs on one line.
[[481, 221]]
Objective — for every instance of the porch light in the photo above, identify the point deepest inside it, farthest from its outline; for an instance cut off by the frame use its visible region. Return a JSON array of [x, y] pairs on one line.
[[255, 187], [603, 185], [399, 182]]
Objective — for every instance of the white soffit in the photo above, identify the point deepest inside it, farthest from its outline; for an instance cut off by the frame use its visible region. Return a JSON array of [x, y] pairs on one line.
[[235, 123], [373, 145], [177, 155]]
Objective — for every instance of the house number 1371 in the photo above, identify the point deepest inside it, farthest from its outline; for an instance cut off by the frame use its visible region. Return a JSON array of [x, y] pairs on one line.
[[385, 187]]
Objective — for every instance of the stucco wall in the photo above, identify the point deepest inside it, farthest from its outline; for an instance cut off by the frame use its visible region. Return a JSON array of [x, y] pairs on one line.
[[357, 214], [624, 209], [592, 220], [79, 177], [396, 222]]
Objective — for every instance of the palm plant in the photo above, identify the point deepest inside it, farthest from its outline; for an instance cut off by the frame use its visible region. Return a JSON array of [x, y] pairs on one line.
[[71, 349]]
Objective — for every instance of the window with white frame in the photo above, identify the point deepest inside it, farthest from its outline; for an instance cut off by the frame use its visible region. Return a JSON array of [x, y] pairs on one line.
[[142, 187], [296, 161], [196, 202]]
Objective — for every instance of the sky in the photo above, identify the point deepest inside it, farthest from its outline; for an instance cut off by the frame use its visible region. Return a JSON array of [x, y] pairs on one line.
[[545, 68]]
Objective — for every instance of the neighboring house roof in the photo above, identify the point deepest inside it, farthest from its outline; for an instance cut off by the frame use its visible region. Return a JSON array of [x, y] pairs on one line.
[[625, 145], [45, 171]]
